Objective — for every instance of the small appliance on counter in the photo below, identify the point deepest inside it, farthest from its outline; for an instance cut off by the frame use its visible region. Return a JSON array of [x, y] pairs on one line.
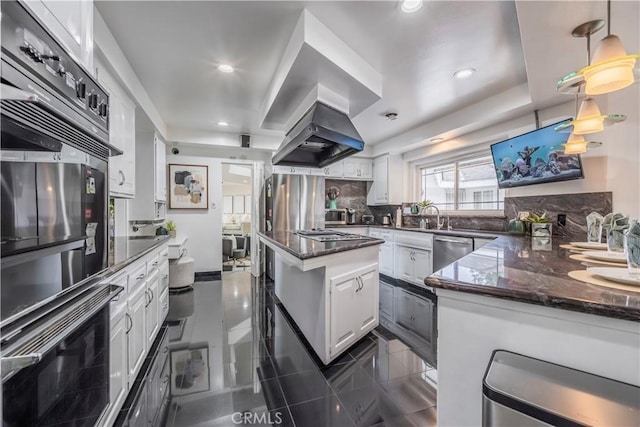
[[367, 219], [386, 219], [398, 218], [336, 217], [351, 216]]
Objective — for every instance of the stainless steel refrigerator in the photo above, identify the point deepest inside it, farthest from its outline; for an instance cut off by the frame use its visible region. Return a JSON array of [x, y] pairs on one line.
[[292, 202]]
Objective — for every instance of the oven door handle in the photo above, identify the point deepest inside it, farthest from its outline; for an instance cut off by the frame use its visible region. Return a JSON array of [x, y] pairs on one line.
[[11, 93], [56, 328], [16, 363]]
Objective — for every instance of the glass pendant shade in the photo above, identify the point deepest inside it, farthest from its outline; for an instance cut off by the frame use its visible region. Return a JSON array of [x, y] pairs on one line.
[[611, 69], [576, 144], [589, 119]]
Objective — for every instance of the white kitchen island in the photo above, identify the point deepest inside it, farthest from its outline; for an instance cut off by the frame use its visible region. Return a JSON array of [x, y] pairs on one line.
[[330, 289]]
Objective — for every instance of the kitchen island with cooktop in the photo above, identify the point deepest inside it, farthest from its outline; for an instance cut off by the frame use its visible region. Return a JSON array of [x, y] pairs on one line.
[[516, 294], [328, 286]]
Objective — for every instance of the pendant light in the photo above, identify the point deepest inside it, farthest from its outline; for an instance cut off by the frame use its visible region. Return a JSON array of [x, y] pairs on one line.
[[576, 144], [612, 68], [588, 119]]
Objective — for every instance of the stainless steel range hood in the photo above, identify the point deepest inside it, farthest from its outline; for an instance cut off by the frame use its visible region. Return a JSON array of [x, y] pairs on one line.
[[321, 137]]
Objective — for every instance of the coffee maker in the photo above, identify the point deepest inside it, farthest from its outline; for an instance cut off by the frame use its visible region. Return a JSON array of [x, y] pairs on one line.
[[351, 216]]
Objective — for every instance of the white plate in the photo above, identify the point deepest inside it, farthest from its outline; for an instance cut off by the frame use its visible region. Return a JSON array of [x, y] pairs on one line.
[[590, 245], [606, 256], [620, 275]]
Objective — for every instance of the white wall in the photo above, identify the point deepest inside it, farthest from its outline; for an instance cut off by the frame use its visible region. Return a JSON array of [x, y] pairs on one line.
[[203, 227], [613, 167]]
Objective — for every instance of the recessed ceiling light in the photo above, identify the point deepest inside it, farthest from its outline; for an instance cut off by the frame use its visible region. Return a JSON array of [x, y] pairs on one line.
[[410, 6], [436, 139], [464, 73], [244, 181], [225, 68], [223, 124]]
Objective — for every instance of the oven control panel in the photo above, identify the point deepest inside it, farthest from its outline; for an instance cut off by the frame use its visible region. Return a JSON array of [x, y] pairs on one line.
[[28, 44]]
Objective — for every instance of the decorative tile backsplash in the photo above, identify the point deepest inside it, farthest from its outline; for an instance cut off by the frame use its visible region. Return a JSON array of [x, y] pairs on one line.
[[353, 194], [575, 206]]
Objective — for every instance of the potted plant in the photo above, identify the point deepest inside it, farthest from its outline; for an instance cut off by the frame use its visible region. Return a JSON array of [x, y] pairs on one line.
[[540, 224], [171, 228], [424, 205]]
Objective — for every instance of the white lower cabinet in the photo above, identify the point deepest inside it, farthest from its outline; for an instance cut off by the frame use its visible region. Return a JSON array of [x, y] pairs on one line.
[[136, 331], [412, 264], [354, 306], [386, 259], [136, 318], [152, 308], [118, 371]]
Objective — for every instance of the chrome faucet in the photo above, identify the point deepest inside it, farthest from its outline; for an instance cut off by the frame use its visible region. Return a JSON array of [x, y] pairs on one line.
[[439, 224]]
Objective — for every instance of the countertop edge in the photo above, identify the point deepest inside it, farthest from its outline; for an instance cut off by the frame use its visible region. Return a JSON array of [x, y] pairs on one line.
[[584, 307], [367, 243], [110, 271], [530, 297]]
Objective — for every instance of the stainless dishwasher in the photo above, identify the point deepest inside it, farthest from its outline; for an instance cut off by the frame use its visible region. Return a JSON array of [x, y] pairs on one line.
[[448, 249]]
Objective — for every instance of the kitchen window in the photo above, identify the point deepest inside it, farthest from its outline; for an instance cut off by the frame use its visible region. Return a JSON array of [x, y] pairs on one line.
[[468, 185]]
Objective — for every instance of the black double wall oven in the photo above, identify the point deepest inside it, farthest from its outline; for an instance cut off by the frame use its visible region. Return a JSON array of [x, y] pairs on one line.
[[54, 197]]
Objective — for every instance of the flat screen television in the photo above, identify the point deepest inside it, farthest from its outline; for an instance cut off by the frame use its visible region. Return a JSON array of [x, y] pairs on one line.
[[536, 157]]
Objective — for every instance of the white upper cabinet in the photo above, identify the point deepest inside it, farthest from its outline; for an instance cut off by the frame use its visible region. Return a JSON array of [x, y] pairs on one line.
[[71, 23], [151, 178], [291, 170], [387, 181], [161, 169], [122, 135], [357, 168]]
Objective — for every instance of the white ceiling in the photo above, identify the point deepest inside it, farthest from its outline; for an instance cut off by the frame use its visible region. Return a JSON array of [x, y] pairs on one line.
[[174, 47]]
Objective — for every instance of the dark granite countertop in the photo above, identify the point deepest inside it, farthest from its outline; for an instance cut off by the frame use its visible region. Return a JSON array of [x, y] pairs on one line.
[[510, 268], [455, 232], [127, 250], [304, 248]]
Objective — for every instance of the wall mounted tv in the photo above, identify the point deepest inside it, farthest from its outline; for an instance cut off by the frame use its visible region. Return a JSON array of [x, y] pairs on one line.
[[536, 157]]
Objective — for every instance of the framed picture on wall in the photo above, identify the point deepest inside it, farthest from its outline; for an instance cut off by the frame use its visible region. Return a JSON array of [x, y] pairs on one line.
[[188, 186], [190, 370]]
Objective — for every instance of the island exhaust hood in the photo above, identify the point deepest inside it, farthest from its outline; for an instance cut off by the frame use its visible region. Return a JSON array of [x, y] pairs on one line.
[[321, 137]]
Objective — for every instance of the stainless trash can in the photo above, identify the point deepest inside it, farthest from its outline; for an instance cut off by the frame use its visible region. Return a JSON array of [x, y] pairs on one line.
[[525, 392]]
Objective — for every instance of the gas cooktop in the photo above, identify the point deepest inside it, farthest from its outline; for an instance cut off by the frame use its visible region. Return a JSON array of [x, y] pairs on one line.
[[329, 236]]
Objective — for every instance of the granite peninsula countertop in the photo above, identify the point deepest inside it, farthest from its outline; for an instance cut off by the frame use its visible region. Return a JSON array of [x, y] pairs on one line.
[[511, 267], [304, 248]]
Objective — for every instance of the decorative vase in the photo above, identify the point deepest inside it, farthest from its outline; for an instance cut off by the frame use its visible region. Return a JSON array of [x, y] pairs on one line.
[[516, 226], [333, 204], [541, 229], [172, 233]]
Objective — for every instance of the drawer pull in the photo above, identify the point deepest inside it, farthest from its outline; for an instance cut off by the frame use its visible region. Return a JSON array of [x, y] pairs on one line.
[[140, 277], [165, 350], [154, 264]]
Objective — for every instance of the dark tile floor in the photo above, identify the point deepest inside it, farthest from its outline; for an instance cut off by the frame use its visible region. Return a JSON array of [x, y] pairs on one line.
[[250, 366]]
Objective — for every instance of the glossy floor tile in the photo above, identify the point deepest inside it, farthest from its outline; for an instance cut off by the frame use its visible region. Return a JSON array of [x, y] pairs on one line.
[[250, 365]]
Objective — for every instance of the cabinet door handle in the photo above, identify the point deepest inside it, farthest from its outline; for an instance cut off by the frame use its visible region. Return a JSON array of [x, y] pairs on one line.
[[165, 276], [154, 264], [122, 178], [147, 300], [151, 296], [140, 277], [165, 350], [165, 379], [130, 320]]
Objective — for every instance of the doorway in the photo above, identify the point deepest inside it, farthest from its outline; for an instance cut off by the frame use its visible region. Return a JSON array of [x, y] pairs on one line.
[[237, 213]]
